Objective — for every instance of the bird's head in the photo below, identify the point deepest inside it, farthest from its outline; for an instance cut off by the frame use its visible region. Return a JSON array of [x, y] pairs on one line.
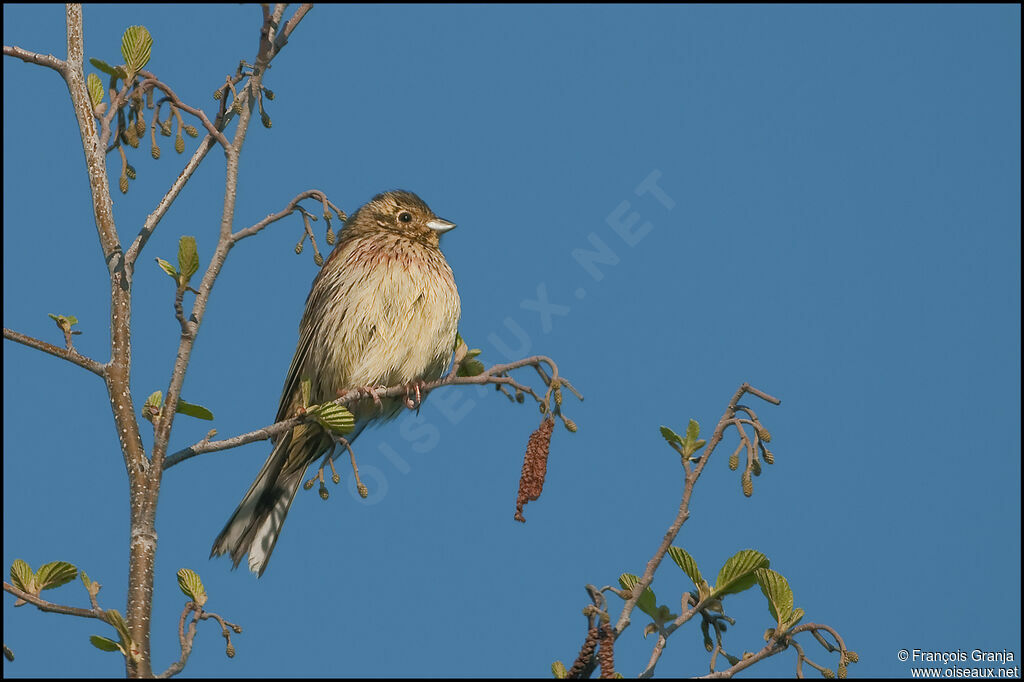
[[399, 212]]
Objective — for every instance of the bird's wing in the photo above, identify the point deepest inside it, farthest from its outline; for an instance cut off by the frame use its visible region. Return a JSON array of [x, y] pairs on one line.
[[292, 380]]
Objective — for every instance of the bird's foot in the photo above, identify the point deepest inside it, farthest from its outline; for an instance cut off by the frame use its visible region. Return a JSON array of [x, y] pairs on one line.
[[414, 389], [369, 392]]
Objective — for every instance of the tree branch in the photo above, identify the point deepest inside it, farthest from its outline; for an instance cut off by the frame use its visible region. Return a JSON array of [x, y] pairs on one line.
[[692, 475], [494, 375], [284, 213], [50, 607], [47, 60], [186, 637], [69, 354]]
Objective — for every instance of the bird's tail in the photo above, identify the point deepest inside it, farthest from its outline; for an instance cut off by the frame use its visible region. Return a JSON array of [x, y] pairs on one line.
[[254, 527]]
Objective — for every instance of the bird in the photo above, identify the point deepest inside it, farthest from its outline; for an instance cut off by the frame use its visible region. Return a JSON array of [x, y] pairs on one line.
[[382, 311]]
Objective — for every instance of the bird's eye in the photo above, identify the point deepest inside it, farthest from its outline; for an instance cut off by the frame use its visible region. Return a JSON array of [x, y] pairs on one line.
[[405, 216]]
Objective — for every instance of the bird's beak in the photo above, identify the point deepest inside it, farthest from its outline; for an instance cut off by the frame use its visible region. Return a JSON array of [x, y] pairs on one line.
[[440, 226]]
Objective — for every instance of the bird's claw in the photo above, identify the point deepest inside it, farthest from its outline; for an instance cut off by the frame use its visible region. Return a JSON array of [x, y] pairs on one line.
[[411, 389], [371, 392]]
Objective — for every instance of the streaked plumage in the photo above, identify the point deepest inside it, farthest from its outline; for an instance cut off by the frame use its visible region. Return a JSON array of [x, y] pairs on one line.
[[383, 311]]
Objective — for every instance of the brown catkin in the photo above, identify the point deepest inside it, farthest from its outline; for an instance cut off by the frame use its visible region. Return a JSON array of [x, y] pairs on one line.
[[586, 651], [606, 654], [535, 466]]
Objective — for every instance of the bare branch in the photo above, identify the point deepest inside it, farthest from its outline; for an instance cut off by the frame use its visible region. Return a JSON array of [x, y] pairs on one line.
[[69, 354], [284, 213], [286, 32], [47, 60]]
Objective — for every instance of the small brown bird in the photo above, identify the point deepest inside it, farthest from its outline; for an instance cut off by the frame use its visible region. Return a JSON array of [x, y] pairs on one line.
[[383, 311]]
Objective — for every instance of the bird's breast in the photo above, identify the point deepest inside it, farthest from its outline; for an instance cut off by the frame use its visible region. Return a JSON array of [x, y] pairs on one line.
[[386, 314]]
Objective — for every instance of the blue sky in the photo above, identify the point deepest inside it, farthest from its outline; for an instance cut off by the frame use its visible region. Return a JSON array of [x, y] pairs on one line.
[[839, 226]]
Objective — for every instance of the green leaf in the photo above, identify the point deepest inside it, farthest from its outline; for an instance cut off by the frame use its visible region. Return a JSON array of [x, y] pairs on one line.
[[23, 577], [168, 268], [197, 411], [776, 590], [334, 417], [306, 387], [192, 586], [692, 431], [188, 257], [55, 574], [647, 601], [663, 615], [95, 87], [737, 573], [85, 580], [558, 670], [471, 367], [794, 618], [104, 644], [64, 322], [671, 436], [685, 561], [152, 406], [136, 46], [115, 618], [115, 71]]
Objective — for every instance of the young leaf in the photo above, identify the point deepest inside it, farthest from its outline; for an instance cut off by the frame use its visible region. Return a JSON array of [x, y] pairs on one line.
[[168, 268], [104, 644], [306, 386], [671, 436], [115, 71], [188, 257], [692, 431], [686, 562], [471, 367], [95, 87], [23, 577], [335, 418], [55, 574], [197, 411], [778, 593], [737, 573], [136, 45], [115, 618], [192, 586], [647, 602]]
